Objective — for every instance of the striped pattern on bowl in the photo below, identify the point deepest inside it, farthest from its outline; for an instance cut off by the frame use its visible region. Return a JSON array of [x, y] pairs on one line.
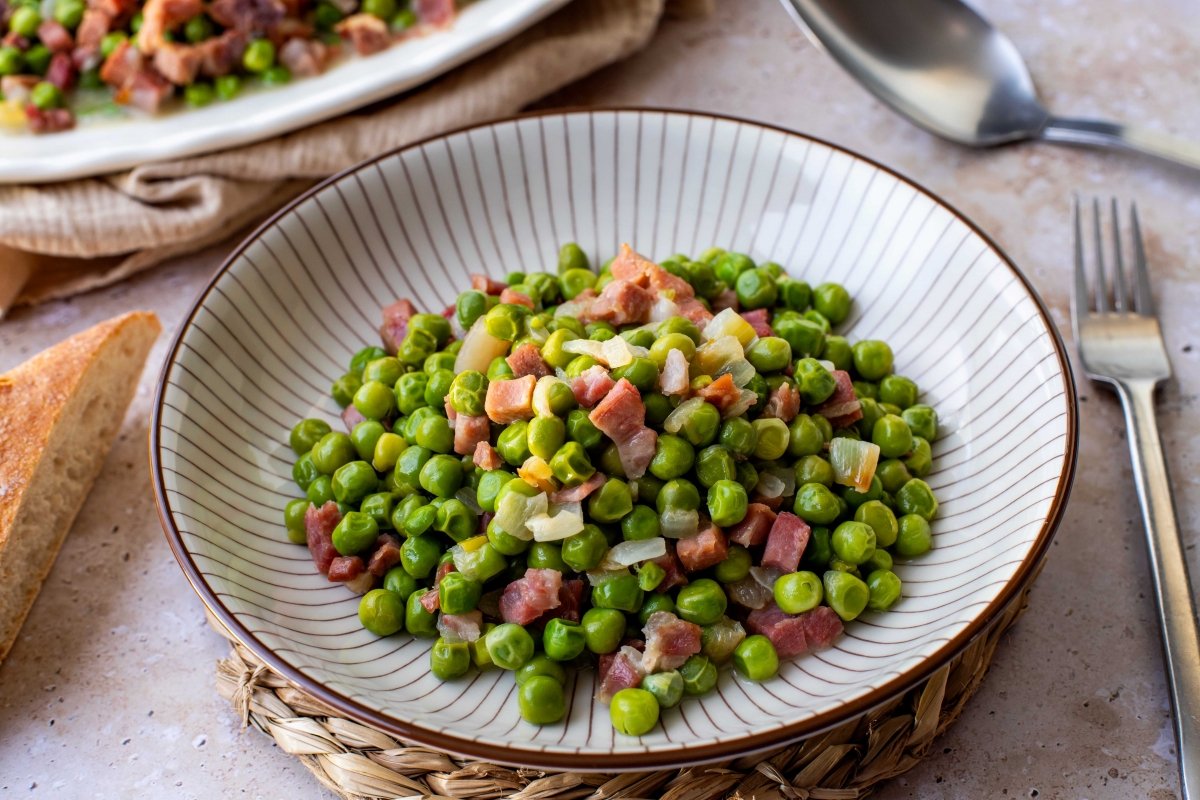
[[280, 321]]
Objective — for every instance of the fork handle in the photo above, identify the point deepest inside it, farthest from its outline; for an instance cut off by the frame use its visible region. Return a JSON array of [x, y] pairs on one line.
[[1172, 590], [1100, 133]]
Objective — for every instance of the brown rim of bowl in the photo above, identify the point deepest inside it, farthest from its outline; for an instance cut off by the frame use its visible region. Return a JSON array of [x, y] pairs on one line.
[[644, 760]]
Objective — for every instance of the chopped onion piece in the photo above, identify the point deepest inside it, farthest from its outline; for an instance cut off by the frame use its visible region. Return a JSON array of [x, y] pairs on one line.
[[787, 476], [541, 394], [679, 524], [515, 510], [829, 365], [537, 473], [601, 575], [766, 576], [566, 521], [749, 593], [469, 498], [464, 629], [674, 421], [362, 584], [746, 400], [722, 638], [479, 349], [713, 355], [626, 554], [741, 370], [615, 352], [769, 485], [663, 309], [728, 322], [853, 462]]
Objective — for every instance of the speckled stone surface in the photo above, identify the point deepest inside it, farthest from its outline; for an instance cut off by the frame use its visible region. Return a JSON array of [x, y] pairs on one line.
[[109, 690]]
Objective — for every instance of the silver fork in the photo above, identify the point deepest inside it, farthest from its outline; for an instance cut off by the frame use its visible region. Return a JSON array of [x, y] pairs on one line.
[[1121, 344]]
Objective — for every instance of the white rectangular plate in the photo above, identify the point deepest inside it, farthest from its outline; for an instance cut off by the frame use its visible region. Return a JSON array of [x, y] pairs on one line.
[[106, 145]]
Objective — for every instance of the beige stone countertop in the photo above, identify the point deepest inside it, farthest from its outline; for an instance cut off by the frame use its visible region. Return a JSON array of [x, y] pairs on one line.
[[109, 689]]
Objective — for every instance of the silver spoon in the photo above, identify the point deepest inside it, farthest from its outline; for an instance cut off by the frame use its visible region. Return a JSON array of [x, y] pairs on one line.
[[944, 67]]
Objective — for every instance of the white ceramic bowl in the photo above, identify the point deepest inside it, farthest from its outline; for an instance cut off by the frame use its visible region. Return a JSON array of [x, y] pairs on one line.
[[282, 317]]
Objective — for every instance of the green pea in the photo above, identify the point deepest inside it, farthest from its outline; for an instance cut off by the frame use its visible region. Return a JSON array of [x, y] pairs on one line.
[[610, 502], [727, 503], [381, 612], [892, 474], [667, 687], [755, 658], [702, 425], [804, 437], [454, 519], [702, 602], [437, 389], [798, 592], [441, 475], [872, 359], [794, 294], [620, 592], [915, 497], [305, 471], [503, 542], [354, 481], [552, 349], [920, 460], [374, 400], [854, 542], [846, 593], [584, 550], [563, 640], [679, 494], [420, 520], [729, 266], [769, 354], [306, 433], [815, 383], [458, 594], [417, 620], [505, 320], [320, 491], [922, 421], [892, 435], [37, 59], [379, 506], [881, 519], [469, 307], [541, 665], [833, 301], [111, 41], [419, 555], [513, 443], [499, 369], [545, 435], [640, 523], [293, 517], [509, 645], [915, 537], [771, 438], [449, 660], [571, 464], [354, 533], [638, 337], [364, 438], [714, 463], [658, 408], [641, 372], [489, 488], [804, 338], [410, 392], [541, 700], [11, 60], [546, 555], [603, 629], [402, 510], [576, 281], [634, 712], [673, 457], [658, 601], [259, 55], [819, 550], [855, 498], [736, 565], [404, 19], [406, 475], [400, 584], [884, 588], [738, 436], [817, 505], [814, 316], [814, 469], [671, 341], [24, 21], [837, 350], [897, 390], [699, 675], [388, 449], [747, 476]]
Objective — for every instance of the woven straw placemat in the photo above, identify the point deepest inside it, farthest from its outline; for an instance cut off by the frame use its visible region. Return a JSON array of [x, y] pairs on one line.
[[358, 762]]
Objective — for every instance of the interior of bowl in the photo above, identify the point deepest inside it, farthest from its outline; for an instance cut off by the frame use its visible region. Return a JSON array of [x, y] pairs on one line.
[[279, 323]]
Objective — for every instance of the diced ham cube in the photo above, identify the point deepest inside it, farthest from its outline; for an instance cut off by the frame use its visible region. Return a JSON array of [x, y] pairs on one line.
[[62, 72], [726, 299], [430, 601], [482, 283], [692, 309], [669, 641], [366, 32], [783, 403], [318, 527], [794, 635], [351, 416], [122, 64], [822, 626], [16, 88], [570, 601], [50, 120], [346, 568], [92, 30], [221, 54], [578, 307], [842, 408], [147, 90], [635, 268], [486, 456], [576, 494], [622, 417], [461, 627], [435, 12], [395, 324], [773, 503], [248, 16], [526, 359], [161, 16], [527, 598], [674, 378], [754, 527], [722, 393], [510, 400], [513, 297], [621, 302], [178, 63], [758, 320], [623, 671], [304, 57], [675, 576], [470, 432], [386, 556], [786, 542], [55, 37], [702, 550], [591, 387]]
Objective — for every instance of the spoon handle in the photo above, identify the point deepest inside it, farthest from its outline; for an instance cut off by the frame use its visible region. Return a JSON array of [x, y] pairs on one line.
[[1099, 133]]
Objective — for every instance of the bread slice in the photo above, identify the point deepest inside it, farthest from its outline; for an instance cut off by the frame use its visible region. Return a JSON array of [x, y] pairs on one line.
[[59, 414]]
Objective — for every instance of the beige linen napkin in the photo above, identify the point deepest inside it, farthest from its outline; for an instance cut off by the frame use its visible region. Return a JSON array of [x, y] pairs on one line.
[[61, 239]]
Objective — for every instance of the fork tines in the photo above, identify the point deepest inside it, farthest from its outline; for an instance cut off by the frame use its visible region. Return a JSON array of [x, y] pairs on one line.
[[1115, 296]]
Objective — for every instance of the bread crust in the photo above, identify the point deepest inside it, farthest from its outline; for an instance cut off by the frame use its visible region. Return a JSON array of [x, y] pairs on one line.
[[34, 398]]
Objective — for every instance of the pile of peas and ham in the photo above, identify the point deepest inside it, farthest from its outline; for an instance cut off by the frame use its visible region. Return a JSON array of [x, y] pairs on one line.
[[143, 51], [662, 468]]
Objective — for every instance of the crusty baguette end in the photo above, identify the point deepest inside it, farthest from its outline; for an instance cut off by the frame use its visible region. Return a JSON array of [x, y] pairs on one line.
[[59, 414]]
